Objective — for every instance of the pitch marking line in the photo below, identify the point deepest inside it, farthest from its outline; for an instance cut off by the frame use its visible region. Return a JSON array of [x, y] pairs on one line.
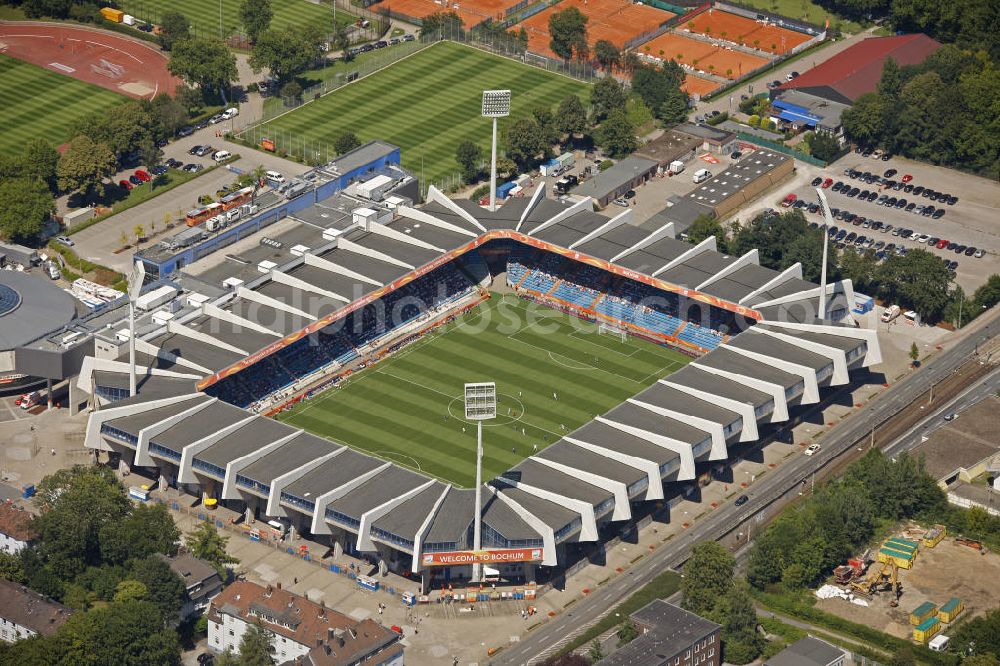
[[589, 367]]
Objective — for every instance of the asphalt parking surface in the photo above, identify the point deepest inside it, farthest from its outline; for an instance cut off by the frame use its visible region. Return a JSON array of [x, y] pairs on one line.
[[972, 221]]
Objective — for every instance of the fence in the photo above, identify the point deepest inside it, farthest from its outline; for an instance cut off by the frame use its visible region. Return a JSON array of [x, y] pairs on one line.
[[781, 148]]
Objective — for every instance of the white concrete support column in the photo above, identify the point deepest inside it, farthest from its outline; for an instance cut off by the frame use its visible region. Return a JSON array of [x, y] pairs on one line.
[[365, 542], [319, 525], [654, 489]]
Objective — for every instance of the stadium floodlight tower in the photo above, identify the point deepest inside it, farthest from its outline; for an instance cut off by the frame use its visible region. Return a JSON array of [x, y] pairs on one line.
[[135, 280], [496, 104], [480, 405], [827, 222]]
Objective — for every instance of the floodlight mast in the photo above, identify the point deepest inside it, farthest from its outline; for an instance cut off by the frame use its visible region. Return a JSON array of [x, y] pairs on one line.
[[827, 221], [496, 104], [135, 280], [480, 405]]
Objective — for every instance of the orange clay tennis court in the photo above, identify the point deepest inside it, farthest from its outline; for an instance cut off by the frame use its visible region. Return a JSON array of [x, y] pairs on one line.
[[472, 12], [742, 30], [702, 56], [614, 20], [695, 85]]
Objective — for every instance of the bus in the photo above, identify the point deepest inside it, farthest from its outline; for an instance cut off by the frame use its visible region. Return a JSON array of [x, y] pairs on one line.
[[199, 215], [237, 198]]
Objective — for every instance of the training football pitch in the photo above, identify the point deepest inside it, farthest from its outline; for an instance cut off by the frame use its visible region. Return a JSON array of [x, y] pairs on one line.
[[426, 104], [41, 104], [552, 371], [204, 15]]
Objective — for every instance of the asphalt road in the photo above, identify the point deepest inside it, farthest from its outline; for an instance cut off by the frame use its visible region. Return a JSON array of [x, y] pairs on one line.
[[782, 483]]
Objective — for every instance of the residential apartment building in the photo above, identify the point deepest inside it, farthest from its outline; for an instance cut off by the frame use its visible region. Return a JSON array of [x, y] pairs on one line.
[[25, 613]]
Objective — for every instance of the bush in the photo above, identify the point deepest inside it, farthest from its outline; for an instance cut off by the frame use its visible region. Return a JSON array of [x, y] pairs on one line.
[[719, 119], [253, 87], [753, 121], [480, 192], [606, 164]]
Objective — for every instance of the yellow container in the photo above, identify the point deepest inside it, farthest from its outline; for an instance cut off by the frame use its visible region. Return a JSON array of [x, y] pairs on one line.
[[922, 613], [926, 630], [113, 15], [950, 610], [934, 535], [902, 560]]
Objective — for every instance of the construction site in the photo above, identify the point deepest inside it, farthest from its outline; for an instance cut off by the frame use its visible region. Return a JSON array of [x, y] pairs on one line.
[[914, 585]]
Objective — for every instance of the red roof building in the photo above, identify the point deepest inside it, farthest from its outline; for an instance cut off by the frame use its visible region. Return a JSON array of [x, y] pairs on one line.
[[857, 70]]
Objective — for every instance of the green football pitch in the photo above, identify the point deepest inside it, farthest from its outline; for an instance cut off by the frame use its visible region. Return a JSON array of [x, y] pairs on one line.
[[38, 103], [552, 372], [204, 15], [426, 104]]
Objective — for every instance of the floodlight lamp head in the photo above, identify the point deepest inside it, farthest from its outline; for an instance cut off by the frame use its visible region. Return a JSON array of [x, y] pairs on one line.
[[480, 401], [135, 280], [496, 103]]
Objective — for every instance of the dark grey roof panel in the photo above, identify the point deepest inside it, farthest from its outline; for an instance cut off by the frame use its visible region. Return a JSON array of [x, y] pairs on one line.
[[231, 334], [580, 458], [411, 254], [453, 517], [561, 235], [765, 344], [730, 361], [842, 343], [343, 467], [540, 476], [213, 418], [268, 317], [640, 417], [601, 248], [367, 266], [405, 519], [135, 422], [609, 437], [342, 285], [701, 380], [205, 355], [314, 304], [550, 513], [151, 387], [252, 437], [391, 483], [292, 455], [668, 397]]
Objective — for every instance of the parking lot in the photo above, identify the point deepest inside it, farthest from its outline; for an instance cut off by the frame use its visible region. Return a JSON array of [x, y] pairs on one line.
[[971, 221]]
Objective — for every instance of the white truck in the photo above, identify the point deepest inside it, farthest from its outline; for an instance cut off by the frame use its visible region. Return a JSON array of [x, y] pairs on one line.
[[890, 313], [676, 167]]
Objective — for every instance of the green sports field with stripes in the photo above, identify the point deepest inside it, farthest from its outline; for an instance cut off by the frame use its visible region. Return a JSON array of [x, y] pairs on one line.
[[203, 15], [553, 374], [426, 104], [38, 103]]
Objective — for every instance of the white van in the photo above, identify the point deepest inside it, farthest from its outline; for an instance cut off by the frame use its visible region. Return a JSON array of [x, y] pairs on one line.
[[701, 175], [274, 177], [231, 112], [222, 156]]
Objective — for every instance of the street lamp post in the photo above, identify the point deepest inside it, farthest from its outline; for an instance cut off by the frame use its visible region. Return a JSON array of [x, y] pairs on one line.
[[827, 221], [135, 280], [480, 405], [496, 104]]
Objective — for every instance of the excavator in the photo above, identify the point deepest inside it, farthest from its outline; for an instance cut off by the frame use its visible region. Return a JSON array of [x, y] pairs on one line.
[[884, 579]]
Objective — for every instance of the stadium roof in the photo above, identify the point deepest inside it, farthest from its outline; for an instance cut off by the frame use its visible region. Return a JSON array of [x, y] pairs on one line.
[[691, 416], [856, 70], [31, 306]]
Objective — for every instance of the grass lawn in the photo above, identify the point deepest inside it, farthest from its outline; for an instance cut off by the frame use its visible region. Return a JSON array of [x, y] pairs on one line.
[[426, 104], [40, 103], [408, 408], [806, 10], [204, 14]]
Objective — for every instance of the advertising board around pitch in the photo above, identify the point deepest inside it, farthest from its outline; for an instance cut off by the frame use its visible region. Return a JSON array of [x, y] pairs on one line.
[[500, 556]]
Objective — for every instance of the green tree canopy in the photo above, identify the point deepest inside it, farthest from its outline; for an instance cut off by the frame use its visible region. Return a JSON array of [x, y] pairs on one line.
[[84, 166], [525, 142], [149, 529], [204, 62], [443, 25], [607, 54], [568, 29], [25, 205], [708, 578], [255, 15], [255, 648], [286, 53], [469, 155], [741, 643], [130, 590], [918, 280], [206, 542], [674, 109], [704, 226], [616, 134], [174, 27], [346, 142], [164, 587], [38, 160], [606, 96], [571, 117]]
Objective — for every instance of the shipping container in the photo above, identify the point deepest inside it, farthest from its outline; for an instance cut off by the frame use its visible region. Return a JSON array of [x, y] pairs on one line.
[[934, 535], [503, 191], [951, 610], [155, 298], [113, 15], [926, 630], [923, 612]]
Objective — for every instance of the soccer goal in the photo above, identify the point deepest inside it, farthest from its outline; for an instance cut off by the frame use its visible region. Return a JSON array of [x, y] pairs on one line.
[[612, 330]]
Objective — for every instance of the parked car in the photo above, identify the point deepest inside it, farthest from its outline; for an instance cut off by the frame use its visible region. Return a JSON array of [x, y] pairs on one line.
[[204, 150], [409, 38], [817, 181], [741, 500], [978, 254], [827, 183], [143, 175], [187, 130], [193, 168], [789, 200], [135, 180], [173, 164], [952, 201], [889, 173], [125, 184], [813, 448], [65, 240], [922, 238], [158, 170], [938, 214], [216, 119]]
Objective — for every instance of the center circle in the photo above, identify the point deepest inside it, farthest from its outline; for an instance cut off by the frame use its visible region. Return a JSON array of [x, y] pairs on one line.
[[456, 409]]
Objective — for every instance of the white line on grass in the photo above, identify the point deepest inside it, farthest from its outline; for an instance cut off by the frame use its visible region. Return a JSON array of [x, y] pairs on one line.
[[589, 367]]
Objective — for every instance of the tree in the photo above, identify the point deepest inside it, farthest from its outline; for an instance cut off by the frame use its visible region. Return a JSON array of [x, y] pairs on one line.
[[606, 96], [84, 166], [981, 660], [823, 146], [442, 25], [525, 142], [291, 92], [285, 53], [80, 501], [568, 29], [148, 530], [865, 121], [123, 239], [227, 658], [595, 651], [204, 62], [255, 15], [12, 568], [255, 648], [468, 155], [708, 577], [547, 124], [674, 109], [164, 587], [704, 226], [570, 117], [980, 635], [206, 542], [616, 135], [130, 632], [25, 205], [174, 27], [891, 82], [607, 54], [987, 295], [151, 156], [130, 590], [918, 280], [38, 160], [346, 142], [914, 352], [170, 114], [741, 643], [627, 632], [655, 86]]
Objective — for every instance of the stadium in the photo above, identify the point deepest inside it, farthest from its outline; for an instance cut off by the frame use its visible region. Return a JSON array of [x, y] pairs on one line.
[[321, 390]]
